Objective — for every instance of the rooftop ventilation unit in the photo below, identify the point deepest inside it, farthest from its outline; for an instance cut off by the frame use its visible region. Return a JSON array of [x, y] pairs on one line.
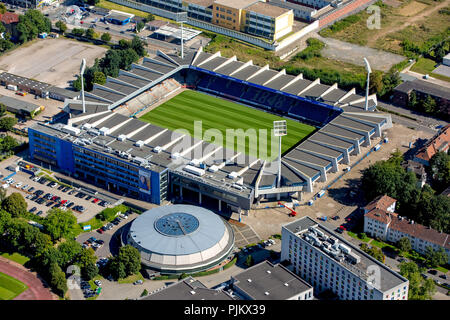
[[121, 137], [104, 131], [266, 293], [286, 284], [87, 126], [233, 175], [94, 132], [175, 155], [194, 162], [236, 186], [157, 149], [196, 171], [345, 248], [192, 292], [249, 280], [213, 168], [71, 130], [354, 258], [139, 143]]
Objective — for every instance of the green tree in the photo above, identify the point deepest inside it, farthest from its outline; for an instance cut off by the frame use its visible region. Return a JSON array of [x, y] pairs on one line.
[[31, 24], [86, 257], [404, 245], [149, 18], [15, 204], [412, 100], [376, 83], [69, 251], [106, 37], [58, 279], [2, 8], [2, 109], [249, 261], [139, 26], [419, 288], [138, 46], [59, 223], [99, 77], [390, 80], [144, 293], [130, 257], [7, 123], [8, 143], [116, 268], [89, 33], [5, 218], [429, 105], [61, 26], [434, 258], [2, 194], [440, 169], [78, 32], [89, 271]]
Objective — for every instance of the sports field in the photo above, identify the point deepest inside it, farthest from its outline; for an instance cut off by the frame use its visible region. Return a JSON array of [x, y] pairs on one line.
[[183, 110], [10, 287]]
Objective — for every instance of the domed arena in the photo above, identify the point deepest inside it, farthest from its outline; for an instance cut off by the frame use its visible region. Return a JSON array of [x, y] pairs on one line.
[[180, 238]]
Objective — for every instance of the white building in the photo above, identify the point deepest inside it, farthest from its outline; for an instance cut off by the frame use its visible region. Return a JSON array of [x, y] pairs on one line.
[[328, 262], [380, 220]]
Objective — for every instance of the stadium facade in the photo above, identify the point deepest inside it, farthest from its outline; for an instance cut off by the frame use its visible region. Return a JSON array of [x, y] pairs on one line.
[[115, 151]]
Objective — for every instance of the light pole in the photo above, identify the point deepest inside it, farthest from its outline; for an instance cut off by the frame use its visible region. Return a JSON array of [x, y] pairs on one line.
[[82, 68], [279, 130], [182, 17], [369, 71]]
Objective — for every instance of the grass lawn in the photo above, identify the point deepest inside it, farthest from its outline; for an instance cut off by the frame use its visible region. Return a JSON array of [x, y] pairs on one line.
[[132, 278], [354, 235], [17, 257], [181, 111], [10, 287], [114, 6], [424, 66], [442, 269], [381, 244]]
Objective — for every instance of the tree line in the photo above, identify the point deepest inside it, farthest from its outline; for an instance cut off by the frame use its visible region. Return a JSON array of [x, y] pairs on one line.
[[423, 205], [53, 249]]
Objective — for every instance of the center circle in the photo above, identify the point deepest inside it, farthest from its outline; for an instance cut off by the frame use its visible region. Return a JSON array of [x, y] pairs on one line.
[[177, 224]]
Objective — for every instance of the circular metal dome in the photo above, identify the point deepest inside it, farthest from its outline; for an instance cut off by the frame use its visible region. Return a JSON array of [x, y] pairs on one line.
[[181, 238]]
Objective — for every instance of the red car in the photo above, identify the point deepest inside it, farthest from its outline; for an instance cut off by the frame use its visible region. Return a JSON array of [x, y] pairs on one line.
[[99, 230], [54, 198], [342, 227], [64, 201], [95, 200]]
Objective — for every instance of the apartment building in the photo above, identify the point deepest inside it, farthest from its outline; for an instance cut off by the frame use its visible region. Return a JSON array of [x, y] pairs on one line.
[[439, 143], [381, 221], [329, 262]]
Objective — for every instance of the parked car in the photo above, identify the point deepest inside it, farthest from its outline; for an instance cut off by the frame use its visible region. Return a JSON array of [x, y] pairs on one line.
[[98, 283], [443, 276], [99, 230], [339, 230], [33, 209], [39, 213], [433, 272], [88, 197], [138, 282], [335, 218]]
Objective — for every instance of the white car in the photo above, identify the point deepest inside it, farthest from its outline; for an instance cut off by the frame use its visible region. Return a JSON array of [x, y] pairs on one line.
[[19, 184], [98, 283]]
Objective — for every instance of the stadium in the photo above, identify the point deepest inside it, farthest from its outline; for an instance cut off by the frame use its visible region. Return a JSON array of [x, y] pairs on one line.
[[121, 138], [180, 238]]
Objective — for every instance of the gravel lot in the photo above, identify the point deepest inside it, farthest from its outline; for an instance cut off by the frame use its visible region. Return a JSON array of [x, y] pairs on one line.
[[54, 61]]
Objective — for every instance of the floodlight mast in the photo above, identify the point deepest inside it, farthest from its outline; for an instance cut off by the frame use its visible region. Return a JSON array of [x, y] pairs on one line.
[[279, 130], [82, 68], [369, 71], [182, 17]]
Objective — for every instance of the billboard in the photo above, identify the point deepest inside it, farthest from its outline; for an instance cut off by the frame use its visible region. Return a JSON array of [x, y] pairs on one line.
[[145, 181]]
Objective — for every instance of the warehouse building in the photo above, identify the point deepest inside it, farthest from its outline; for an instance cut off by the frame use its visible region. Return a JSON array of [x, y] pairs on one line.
[[25, 84], [19, 107], [329, 262]]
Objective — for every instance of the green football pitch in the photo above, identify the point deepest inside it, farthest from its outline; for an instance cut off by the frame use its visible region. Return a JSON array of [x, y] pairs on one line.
[[183, 110], [10, 287]]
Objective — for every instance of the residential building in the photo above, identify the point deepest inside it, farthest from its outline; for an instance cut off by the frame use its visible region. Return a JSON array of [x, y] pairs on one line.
[[418, 169], [423, 89], [266, 281], [439, 143], [10, 21], [382, 222], [188, 289], [330, 263]]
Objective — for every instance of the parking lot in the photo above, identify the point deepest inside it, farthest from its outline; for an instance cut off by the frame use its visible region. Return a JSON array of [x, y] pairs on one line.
[[42, 195]]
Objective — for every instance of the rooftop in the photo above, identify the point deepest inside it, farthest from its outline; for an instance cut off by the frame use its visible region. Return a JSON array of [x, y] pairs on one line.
[[266, 281], [382, 202], [425, 87], [438, 143], [236, 4], [389, 278], [188, 289], [267, 9], [18, 104], [9, 17]]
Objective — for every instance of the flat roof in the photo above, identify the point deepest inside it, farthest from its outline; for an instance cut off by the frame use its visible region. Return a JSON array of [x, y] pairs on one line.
[[18, 104], [267, 9], [425, 87], [389, 278], [27, 82], [188, 289], [236, 4], [266, 281]]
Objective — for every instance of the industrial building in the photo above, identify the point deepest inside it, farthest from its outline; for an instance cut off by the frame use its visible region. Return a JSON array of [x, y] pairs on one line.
[[381, 221], [188, 289], [180, 238], [83, 144], [329, 262], [20, 107], [266, 281]]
